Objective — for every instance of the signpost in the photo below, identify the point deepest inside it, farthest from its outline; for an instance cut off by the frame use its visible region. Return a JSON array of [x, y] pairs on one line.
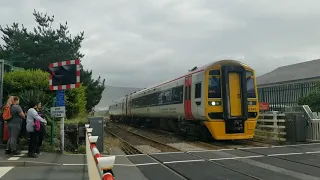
[[63, 75], [263, 106]]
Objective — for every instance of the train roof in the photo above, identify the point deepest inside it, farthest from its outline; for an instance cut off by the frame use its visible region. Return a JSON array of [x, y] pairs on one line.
[[193, 71]]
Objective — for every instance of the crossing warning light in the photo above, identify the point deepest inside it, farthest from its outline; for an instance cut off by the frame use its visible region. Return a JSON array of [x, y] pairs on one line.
[[64, 75]]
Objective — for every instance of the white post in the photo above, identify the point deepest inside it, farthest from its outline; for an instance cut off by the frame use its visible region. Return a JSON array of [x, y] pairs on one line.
[[62, 135]]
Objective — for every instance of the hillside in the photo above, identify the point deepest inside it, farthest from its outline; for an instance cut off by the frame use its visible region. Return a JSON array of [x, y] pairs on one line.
[[112, 93]]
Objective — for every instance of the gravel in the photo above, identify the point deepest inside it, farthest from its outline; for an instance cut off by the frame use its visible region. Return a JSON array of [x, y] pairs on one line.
[[186, 147], [137, 140], [147, 149]]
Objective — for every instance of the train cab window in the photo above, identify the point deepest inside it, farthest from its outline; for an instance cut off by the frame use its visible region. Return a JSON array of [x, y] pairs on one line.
[[251, 93], [215, 72], [214, 87], [197, 93]]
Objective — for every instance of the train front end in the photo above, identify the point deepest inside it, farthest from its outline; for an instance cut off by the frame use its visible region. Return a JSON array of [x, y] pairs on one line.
[[232, 107]]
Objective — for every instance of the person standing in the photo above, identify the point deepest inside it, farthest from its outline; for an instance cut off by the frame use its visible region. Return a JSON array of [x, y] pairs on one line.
[[42, 132], [14, 124], [33, 127]]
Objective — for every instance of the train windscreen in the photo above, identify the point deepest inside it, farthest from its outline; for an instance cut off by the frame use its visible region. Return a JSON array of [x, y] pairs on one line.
[[214, 88]]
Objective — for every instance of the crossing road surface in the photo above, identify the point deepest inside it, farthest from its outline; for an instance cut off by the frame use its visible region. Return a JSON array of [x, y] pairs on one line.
[[76, 172]]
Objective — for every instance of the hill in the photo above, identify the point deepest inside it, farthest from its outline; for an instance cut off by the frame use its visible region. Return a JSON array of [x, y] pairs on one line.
[[112, 93]]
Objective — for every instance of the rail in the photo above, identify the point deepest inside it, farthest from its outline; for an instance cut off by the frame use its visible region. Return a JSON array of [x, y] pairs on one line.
[[271, 126], [98, 167]]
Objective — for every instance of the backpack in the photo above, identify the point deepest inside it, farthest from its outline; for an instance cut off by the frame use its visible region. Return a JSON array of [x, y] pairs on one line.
[[6, 115]]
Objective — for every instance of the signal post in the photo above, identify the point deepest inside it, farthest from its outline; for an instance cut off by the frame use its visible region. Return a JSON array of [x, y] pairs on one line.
[[63, 76]]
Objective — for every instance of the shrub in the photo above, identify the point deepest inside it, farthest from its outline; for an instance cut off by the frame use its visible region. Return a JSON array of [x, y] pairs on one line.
[[25, 83], [312, 99]]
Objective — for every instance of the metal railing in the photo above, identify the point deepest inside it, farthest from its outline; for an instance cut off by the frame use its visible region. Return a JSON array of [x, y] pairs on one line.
[[98, 167]]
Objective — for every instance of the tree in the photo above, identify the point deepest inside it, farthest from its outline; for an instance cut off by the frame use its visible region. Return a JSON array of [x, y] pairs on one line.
[[94, 89], [45, 45]]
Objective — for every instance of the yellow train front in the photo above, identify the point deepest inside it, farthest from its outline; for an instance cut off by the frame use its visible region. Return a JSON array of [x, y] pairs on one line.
[[232, 107]]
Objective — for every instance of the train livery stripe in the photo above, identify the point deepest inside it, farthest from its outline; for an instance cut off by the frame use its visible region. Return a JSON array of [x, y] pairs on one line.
[[185, 97], [189, 99]]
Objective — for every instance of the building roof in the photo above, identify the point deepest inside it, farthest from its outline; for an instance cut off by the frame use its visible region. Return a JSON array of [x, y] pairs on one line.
[[293, 72]]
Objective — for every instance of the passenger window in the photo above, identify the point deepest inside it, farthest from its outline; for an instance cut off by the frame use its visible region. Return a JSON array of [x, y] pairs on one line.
[[197, 93]]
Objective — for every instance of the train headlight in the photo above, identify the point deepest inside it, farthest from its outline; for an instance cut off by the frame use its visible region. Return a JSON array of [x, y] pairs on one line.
[[214, 103], [250, 103]]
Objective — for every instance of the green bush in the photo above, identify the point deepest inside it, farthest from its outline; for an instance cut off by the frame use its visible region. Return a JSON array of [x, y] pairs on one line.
[[312, 99], [76, 102], [25, 83]]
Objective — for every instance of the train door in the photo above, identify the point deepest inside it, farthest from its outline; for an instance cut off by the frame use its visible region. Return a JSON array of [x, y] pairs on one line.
[[235, 108], [123, 107], [126, 105], [235, 94], [198, 98], [187, 98]]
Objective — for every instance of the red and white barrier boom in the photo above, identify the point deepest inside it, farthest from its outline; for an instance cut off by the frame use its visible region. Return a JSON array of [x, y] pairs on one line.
[[98, 167]]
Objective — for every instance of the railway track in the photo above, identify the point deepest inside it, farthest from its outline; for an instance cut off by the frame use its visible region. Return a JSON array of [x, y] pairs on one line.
[[195, 142], [137, 144], [126, 147], [129, 148]]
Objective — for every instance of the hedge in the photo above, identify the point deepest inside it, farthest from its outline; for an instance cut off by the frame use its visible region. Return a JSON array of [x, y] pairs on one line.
[[18, 81]]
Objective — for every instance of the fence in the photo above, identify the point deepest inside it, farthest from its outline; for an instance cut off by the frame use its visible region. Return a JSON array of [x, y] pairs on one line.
[[282, 96], [271, 126], [98, 167], [313, 130]]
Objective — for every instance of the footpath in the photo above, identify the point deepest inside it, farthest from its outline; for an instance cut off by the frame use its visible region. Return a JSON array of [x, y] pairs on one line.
[[47, 166]]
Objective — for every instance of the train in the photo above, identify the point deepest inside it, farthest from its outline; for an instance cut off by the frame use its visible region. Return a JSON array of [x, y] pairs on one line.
[[216, 101]]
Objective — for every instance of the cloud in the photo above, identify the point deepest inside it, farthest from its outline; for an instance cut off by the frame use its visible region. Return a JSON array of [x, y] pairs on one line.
[[140, 43]]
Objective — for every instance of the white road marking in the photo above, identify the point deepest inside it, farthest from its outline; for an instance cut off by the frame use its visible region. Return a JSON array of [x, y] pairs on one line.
[[167, 152], [213, 150], [13, 158], [286, 154], [183, 161], [238, 157], [144, 164], [16, 157], [292, 145], [74, 164], [4, 170]]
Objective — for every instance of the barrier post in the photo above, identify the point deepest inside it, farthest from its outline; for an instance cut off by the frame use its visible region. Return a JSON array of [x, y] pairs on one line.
[[98, 167]]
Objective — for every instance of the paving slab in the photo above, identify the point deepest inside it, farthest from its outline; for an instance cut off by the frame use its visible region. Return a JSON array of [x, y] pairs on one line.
[[122, 160], [179, 156], [205, 170], [141, 159], [308, 147], [308, 159], [256, 169], [159, 172], [277, 150], [57, 158], [47, 173], [292, 166], [128, 172], [223, 154]]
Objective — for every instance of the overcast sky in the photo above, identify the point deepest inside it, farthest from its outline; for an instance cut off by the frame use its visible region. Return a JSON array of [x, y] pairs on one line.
[[139, 43]]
